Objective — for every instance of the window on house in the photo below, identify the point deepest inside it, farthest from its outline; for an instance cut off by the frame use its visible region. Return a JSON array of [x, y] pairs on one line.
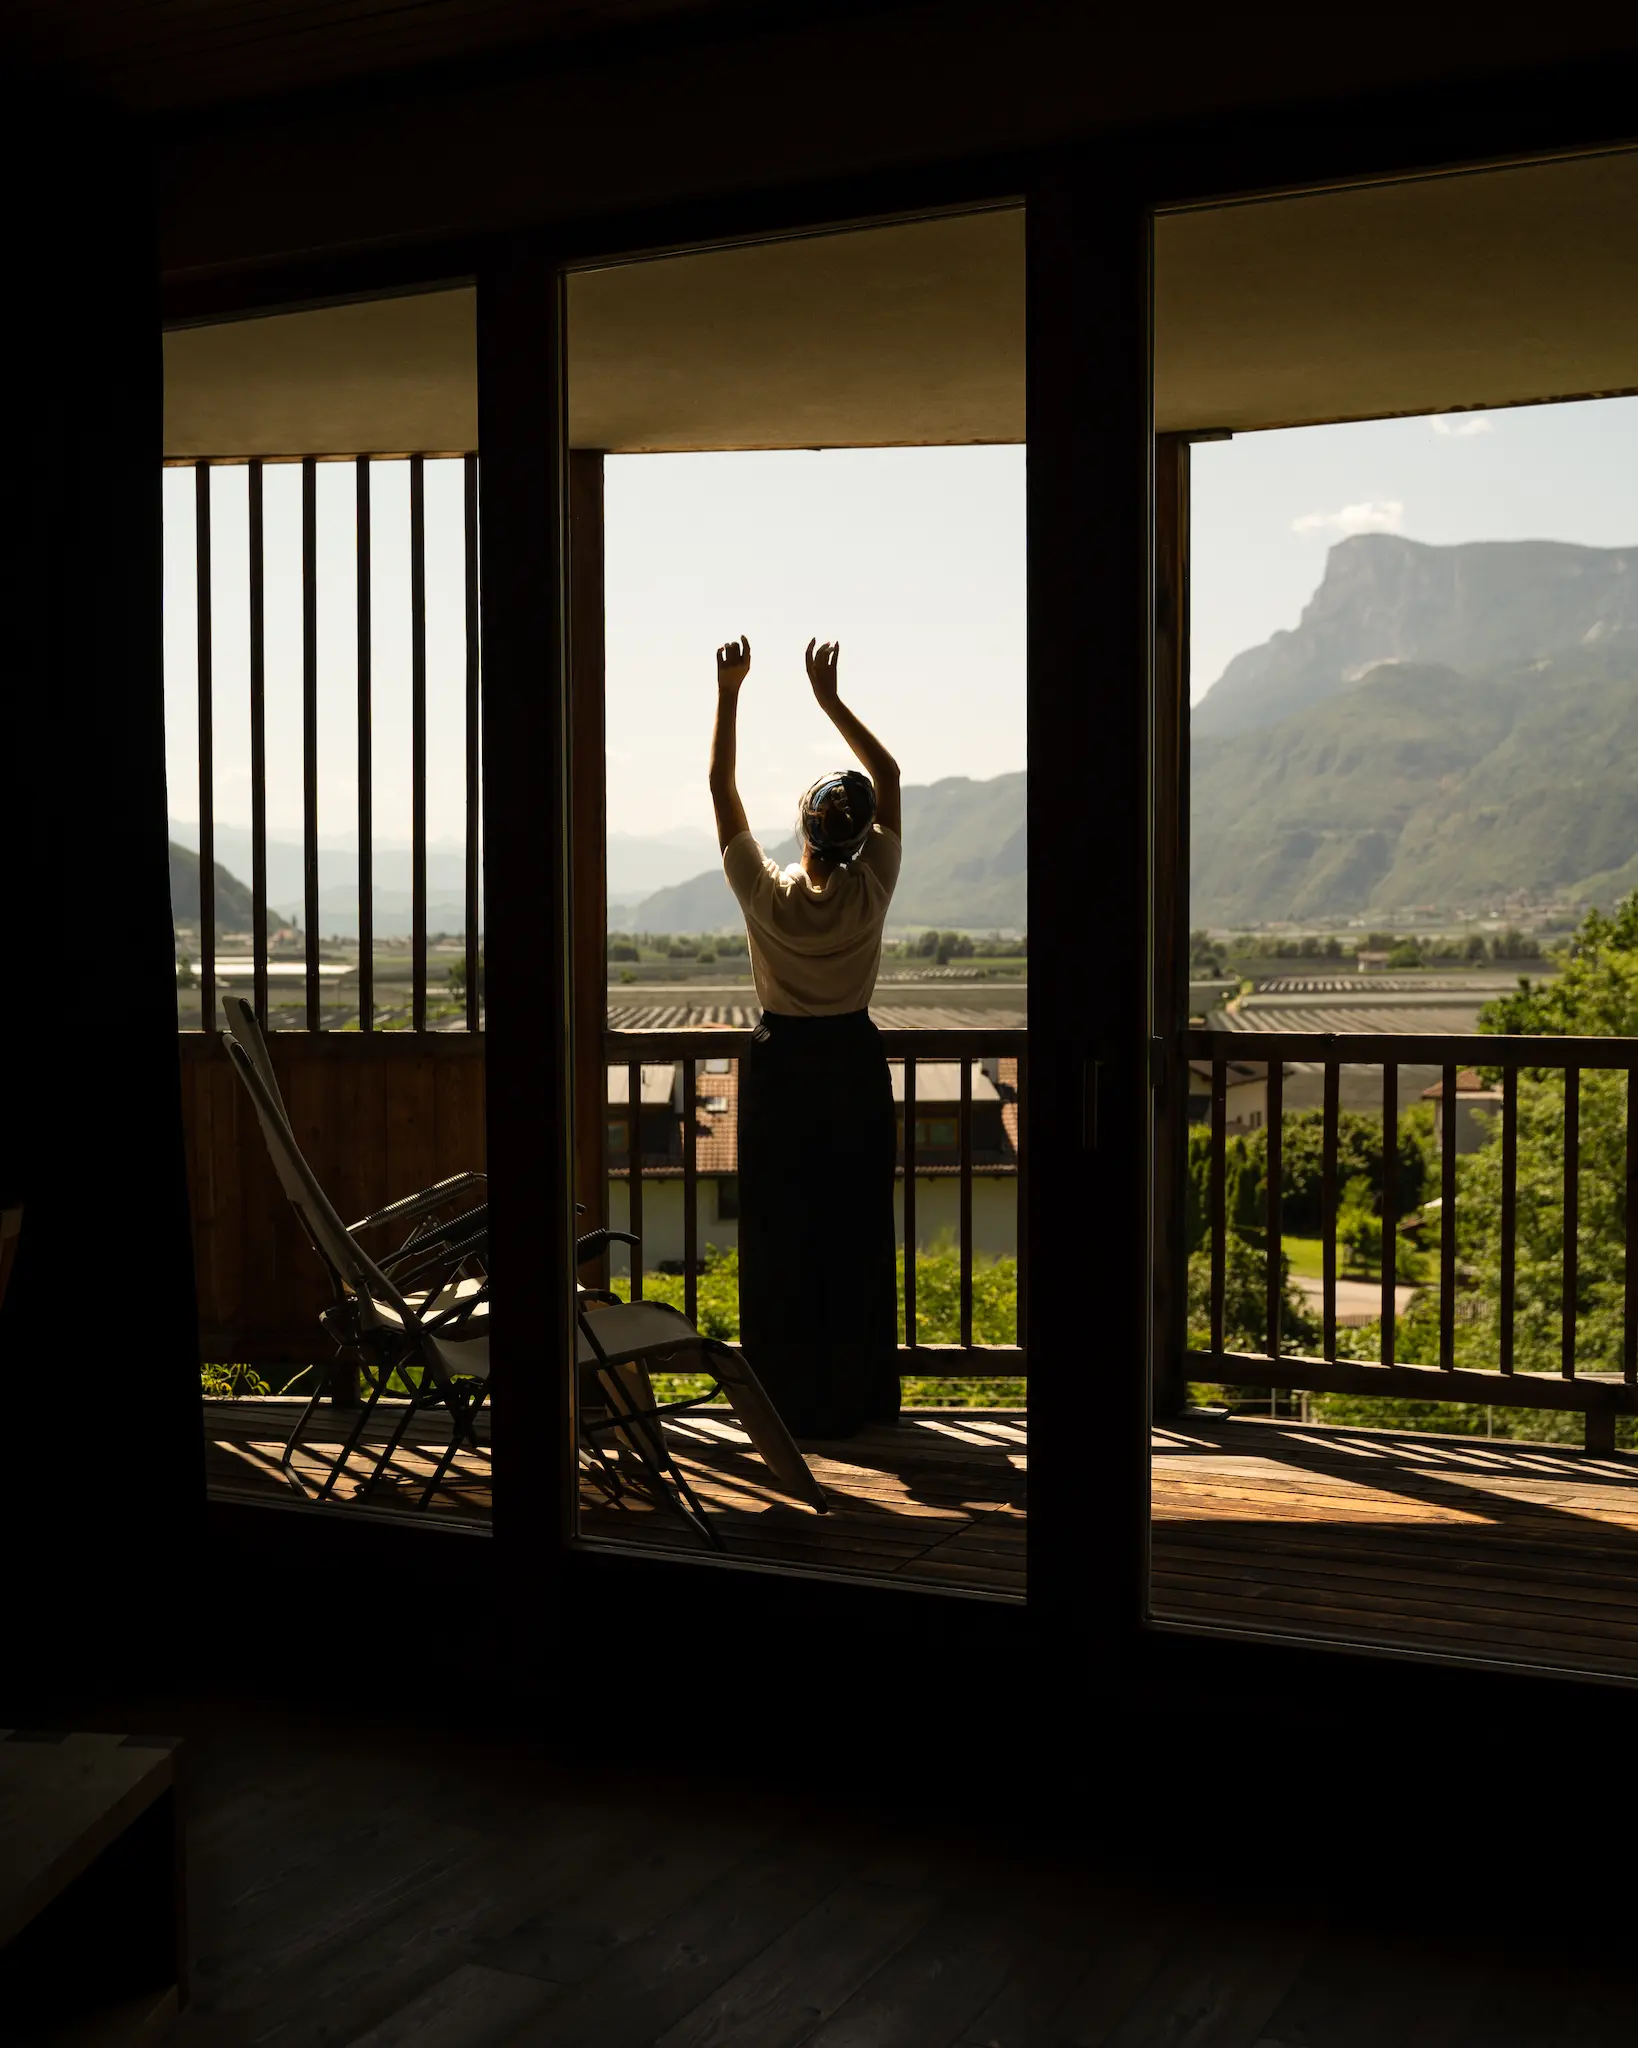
[[714, 1105], [935, 1134], [728, 1198], [617, 1134]]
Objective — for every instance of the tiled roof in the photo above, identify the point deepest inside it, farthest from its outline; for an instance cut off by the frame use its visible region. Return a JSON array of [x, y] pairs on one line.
[[1238, 1071], [1467, 1083], [716, 1119]]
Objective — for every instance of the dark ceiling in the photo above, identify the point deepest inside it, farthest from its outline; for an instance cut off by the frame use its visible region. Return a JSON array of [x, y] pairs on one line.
[[157, 57]]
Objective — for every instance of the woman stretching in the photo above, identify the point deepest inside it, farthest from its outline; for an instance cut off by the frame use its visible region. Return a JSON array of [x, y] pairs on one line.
[[818, 1293]]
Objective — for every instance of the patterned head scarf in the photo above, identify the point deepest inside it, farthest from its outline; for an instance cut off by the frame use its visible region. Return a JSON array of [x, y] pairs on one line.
[[837, 813]]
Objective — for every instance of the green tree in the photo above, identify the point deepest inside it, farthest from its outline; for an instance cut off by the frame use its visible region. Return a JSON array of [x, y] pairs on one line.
[[1245, 1302], [456, 977], [1594, 992], [1302, 1159], [1594, 995]]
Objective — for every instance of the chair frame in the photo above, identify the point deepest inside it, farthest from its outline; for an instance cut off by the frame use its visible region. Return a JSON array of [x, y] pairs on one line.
[[438, 1249]]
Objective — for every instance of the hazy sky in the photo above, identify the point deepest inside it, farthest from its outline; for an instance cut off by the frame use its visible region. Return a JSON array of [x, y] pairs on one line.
[[913, 558]]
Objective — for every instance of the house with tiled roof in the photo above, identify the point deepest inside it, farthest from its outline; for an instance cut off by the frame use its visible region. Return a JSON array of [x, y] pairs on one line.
[[661, 1120]]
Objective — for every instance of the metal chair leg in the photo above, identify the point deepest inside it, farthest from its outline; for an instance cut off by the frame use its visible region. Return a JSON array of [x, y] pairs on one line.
[[461, 1428]]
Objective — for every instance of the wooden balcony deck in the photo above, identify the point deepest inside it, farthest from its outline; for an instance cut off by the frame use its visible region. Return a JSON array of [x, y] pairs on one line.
[[1443, 1545], [938, 1499]]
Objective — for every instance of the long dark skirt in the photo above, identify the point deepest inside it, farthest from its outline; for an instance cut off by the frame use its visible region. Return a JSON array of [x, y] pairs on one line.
[[818, 1291]]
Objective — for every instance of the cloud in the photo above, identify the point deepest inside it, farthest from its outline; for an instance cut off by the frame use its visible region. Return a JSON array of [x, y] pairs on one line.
[[1384, 515], [1459, 426]]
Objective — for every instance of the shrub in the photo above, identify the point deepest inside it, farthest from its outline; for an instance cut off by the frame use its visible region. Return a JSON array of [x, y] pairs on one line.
[[938, 1317]]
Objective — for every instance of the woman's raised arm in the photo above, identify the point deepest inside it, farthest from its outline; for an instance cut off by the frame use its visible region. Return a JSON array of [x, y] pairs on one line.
[[873, 757], [733, 665]]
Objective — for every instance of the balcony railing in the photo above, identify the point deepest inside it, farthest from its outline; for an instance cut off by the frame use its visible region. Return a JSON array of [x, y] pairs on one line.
[[1599, 1394], [639, 1167], [209, 645]]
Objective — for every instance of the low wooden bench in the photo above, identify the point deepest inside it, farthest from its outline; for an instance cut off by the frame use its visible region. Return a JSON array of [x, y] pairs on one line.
[[92, 1915]]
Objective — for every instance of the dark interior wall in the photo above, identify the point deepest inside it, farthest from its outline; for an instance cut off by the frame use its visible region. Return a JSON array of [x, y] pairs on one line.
[[103, 1483], [653, 117]]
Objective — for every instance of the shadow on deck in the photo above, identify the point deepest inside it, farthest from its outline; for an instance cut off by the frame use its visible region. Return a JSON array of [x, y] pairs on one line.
[[1443, 1545], [939, 1498]]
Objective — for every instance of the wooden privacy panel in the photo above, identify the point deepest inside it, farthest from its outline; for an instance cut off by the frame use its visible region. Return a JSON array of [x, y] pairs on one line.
[[378, 1116]]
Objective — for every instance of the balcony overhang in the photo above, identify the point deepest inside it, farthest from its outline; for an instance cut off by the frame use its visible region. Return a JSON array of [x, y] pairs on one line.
[[1483, 289]]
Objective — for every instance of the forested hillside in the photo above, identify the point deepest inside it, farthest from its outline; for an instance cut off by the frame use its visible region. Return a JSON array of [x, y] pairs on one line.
[[1449, 784], [235, 908]]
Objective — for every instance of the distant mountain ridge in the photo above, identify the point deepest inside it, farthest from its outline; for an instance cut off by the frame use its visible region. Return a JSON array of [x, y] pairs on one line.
[[1475, 607], [235, 905], [1490, 751], [965, 865]]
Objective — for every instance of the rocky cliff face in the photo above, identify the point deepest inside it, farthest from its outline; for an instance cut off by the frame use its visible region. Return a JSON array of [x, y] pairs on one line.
[[1474, 608]]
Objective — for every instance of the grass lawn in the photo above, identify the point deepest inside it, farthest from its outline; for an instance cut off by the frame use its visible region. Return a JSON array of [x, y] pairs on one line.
[[1307, 1256]]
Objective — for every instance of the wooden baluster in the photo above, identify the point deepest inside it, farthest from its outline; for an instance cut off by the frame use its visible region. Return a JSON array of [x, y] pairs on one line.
[[1509, 1211], [1449, 1128], [966, 1200], [634, 1171], [691, 1193], [1328, 1201], [910, 1200], [418, 743], [1572, 1217], [1390, 1205], [366, 751], [309, 733], [1022, 1207], [207, 749], [474, 782], [1219, 1196], [258, 748], [1629, 1329], [1273, 1261]]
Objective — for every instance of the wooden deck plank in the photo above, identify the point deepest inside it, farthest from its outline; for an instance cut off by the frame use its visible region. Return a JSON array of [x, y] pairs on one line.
[[1460, 1546]]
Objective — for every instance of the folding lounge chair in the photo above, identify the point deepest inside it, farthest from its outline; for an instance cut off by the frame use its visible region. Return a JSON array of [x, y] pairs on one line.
[[426, 1304], [618, 1344], [433, 1338]]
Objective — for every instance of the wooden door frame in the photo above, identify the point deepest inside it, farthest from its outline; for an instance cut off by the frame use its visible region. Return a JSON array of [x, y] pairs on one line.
[[1092, 503]]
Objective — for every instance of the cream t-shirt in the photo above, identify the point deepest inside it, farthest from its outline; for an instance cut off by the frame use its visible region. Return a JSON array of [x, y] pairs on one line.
[[814, 952]]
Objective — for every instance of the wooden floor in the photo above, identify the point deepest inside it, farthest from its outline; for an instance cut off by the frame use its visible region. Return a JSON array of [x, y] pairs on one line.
[[358, 1883], [1448, 1545]]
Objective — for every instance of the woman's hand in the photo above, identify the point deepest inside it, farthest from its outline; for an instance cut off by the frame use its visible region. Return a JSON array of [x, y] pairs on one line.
[[822, 670], [733, 664]]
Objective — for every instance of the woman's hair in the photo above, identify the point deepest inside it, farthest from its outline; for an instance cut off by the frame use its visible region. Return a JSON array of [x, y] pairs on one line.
[[836, 814]]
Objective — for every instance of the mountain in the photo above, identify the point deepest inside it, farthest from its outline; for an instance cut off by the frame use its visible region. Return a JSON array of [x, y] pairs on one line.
[[964, 867], [641, 862], [1420, 785], [235, 907], [1472, 608]]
